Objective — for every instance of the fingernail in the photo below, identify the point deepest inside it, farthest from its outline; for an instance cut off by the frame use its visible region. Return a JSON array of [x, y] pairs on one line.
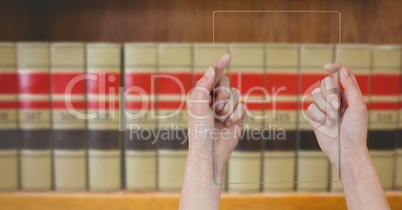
[[345, 71], [328, 66], [226, 57], [329, 122], [335, 104], [317, 90], [333, 114], [209, 72]]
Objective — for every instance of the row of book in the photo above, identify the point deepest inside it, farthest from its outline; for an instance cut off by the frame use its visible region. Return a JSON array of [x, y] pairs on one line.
[[65, 125]]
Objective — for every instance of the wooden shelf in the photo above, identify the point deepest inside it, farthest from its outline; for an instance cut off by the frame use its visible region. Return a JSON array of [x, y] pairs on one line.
[[167, 201]]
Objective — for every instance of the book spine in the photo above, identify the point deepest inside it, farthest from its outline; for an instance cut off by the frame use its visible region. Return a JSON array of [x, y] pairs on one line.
[[68, 103], [398, 165], [173, 83], [246, 73], [8, 118], [281, 73], [358, 58], [206, 55], [383, 115], [104, 161], [313, 165], [140, 136], [34, 115]]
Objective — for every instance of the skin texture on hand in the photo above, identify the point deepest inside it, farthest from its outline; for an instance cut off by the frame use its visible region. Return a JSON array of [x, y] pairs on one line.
[[357, 173], [215, 117]]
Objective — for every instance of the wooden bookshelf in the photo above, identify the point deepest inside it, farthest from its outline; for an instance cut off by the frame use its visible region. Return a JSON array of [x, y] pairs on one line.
[[169, 201]]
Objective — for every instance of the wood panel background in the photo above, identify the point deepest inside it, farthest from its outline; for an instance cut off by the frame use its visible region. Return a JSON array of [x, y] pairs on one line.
[[363, 21]]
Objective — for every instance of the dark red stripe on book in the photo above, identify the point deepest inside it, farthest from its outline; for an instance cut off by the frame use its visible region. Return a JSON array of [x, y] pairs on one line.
[[254, 106], [9, 139], [103, 83], [8, 84], [8, 104], [171, 139], [282, 84], [60, 82], [38, 139], [248, 83], [363, 80], [275, 140], [69, 139], [62, 105], [384, 84], [33, 83], [103, 139], [142, 139], [309, 82], [174, 83], [140, 80], [34, 104], [249, 141]]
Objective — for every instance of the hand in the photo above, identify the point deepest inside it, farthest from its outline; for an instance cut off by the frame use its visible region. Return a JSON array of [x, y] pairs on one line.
[[215, 114], [352, 113]]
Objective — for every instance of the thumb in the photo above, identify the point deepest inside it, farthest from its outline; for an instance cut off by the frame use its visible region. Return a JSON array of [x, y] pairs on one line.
[[353, 95], [200, 96]]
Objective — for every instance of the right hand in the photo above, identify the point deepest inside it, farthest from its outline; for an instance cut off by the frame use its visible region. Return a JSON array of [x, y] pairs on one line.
[[353, 122]]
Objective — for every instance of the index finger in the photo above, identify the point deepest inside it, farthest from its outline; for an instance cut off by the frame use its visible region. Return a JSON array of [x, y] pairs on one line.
[[219, 66]]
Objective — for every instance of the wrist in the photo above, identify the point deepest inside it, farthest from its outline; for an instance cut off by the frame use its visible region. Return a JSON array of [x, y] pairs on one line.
[[207, 161], [354, 163]]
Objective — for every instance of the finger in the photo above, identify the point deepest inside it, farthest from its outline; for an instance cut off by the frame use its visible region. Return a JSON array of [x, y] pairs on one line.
[[222, 91], [230, 104], [315, 114], [322, 104], [219, 66], [330, 91], [199, 98], [332, 67], [237, 116], [353, 95]]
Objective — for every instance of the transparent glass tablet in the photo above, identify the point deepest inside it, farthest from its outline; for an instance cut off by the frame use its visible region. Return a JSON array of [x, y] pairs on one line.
[[277, 60]]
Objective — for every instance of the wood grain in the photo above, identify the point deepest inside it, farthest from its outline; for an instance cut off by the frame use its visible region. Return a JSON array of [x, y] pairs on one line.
[[164, 201], [363, 21]]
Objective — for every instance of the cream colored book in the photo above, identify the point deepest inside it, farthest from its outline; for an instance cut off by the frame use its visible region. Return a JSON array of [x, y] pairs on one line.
[[312, 164], [247, 74], [281, 73], [358, 58], [69, 129], [173, 82], [8, 118], [104, 162], [383, 113], [140, 65], [34, 116]]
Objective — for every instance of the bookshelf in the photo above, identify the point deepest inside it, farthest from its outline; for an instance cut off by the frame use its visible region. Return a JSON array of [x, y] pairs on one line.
[[167, 201], [374, 22]]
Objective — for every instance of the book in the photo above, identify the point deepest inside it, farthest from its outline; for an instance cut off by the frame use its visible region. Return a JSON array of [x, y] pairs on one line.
[[8, 118], [140, 65], [383, 114], [247, 74], [205, 55], [34, 115], [358, 58], [104, 157], [312, 164], [281, 75], [68, 106], [398, 165], [173, 83]]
